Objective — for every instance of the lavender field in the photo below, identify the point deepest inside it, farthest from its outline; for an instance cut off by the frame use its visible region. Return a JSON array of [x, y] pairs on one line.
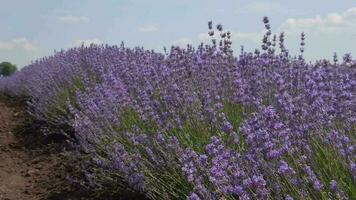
[[200, 122]]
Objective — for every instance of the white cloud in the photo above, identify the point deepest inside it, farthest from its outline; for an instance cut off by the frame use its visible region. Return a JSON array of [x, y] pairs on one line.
[[331, 22], [74, 19], [242, 36], [183, 41], [350, 13], [263, 8], [146, 29], [86, 42], [18, 43], [333, 32], [204, 37]]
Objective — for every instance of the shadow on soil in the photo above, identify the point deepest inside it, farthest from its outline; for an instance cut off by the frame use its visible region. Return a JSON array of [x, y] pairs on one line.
[[51, 152]]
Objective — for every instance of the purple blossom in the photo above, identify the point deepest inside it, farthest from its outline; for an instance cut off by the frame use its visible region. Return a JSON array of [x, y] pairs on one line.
[[333, 185], [193, 196]]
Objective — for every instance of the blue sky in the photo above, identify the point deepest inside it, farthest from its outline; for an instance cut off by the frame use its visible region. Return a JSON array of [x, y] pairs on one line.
[[31, 29]]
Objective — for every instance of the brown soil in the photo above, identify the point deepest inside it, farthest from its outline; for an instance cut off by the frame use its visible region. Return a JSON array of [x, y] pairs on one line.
[[28, 170], [34, 166]]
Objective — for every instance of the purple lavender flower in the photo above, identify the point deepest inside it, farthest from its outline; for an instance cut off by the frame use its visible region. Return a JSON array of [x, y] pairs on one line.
[[288, 198], [283, 168], [193, 196], [333, 185], [219, 27]]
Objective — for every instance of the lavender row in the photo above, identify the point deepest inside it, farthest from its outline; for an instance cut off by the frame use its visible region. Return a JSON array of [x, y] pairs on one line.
[[201, 123]]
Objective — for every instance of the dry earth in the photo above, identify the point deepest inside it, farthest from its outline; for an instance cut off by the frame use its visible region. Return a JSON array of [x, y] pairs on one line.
[[32, 166], [28, 171]]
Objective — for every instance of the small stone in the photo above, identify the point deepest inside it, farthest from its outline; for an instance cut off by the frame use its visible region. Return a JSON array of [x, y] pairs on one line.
[[31, 172], [35, 161], [39, 166]]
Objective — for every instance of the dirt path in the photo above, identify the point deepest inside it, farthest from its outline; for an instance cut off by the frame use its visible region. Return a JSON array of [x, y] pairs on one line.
[[26, 172]]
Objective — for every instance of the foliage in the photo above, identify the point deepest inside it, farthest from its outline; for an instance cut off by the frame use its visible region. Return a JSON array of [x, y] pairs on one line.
[[7, 69]]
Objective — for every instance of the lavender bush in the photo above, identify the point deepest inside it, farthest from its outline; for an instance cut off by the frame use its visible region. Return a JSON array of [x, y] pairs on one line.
[[201, 123]]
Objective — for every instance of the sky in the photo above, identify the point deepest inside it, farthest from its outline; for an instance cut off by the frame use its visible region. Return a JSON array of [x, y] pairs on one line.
[[31, 29]]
